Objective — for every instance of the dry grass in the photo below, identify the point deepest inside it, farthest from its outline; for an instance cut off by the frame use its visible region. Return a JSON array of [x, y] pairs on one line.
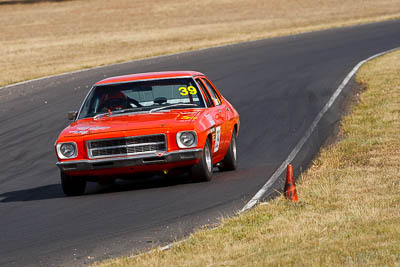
[[47, 37], [349, 212]]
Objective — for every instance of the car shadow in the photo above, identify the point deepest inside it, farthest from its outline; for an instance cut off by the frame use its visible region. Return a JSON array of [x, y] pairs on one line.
[[54, 191], [38, 193], [138, 184]]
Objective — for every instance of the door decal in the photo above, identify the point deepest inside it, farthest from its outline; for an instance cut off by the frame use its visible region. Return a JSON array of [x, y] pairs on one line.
[[218, 138], [210, 119]]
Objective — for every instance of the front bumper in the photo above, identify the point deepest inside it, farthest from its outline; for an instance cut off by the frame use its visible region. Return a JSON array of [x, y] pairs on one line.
[[120, 162]]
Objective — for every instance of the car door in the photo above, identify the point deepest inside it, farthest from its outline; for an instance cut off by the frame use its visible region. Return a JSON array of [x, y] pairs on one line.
[[218, 115], [223, 109]]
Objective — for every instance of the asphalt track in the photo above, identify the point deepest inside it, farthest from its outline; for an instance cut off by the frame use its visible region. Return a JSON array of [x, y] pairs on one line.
[[278, 86]]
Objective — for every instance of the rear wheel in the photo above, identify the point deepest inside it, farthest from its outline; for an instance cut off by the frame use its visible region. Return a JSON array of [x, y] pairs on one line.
[[229, 163], [203, 171], [72, 185]]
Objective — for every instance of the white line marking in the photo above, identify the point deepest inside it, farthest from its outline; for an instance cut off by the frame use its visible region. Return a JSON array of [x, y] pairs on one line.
[[307, 135]]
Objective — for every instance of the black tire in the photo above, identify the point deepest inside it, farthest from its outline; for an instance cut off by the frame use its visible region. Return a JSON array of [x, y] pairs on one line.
[[72, 185], [106, 181], [229, 163], [203, 171]]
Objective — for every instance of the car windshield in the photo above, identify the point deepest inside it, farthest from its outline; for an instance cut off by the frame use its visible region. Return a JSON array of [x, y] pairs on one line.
[[154, 95]]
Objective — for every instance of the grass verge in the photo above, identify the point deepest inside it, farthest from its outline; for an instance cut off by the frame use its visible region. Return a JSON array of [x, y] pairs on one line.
[[349, 212], [41, 38]]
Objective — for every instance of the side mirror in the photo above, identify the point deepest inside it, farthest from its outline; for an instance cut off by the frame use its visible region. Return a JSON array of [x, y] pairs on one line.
[[72, 115]]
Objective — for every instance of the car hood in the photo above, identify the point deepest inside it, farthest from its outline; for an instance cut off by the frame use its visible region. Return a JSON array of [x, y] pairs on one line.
[[133, 121]]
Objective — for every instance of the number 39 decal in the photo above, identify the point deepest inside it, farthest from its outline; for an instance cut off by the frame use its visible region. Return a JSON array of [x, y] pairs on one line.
[[189, 90]]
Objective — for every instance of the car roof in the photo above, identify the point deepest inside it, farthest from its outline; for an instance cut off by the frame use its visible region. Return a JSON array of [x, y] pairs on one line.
[[148, 76]]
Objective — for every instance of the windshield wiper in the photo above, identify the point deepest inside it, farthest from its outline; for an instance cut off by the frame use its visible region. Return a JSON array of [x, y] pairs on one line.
[[127, 110], [171, 106], [111, 113], [98, 116]]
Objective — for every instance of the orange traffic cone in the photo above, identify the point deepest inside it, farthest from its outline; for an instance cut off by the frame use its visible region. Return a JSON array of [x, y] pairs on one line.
[[290, 187]]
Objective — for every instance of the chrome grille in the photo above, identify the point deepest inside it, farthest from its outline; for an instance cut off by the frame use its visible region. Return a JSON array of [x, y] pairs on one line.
[[126, 146]]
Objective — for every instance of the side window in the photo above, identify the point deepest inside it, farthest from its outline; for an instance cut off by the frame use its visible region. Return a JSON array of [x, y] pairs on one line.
[[215, 96], [208, 97]]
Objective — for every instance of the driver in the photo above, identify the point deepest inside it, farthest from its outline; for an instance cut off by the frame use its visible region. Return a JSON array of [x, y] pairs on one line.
[[116, 101]]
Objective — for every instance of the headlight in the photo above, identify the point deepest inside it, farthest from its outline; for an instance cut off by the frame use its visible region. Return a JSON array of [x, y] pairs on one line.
[[67, 150], [186, 139]]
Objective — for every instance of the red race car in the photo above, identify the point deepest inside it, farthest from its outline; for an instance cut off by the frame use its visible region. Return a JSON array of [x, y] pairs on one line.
[[158, 122]]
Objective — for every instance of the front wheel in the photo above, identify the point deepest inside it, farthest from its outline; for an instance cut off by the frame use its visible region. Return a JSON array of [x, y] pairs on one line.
[[203, 171], [229, 163], [72, 185]]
